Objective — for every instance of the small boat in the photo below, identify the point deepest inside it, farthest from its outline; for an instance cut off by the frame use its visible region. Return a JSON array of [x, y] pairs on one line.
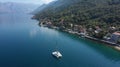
[[57, 54]]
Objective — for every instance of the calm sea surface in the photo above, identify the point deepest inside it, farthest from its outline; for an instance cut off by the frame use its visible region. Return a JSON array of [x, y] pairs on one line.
[[24, 44]]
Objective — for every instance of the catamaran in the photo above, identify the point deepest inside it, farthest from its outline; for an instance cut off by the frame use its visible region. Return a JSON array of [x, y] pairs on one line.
[[57, 54]]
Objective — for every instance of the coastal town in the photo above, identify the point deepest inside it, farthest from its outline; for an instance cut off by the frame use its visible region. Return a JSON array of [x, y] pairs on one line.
[[111, 38]]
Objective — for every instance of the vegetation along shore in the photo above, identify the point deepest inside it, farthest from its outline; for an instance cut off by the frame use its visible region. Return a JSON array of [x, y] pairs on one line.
[[98, 20]]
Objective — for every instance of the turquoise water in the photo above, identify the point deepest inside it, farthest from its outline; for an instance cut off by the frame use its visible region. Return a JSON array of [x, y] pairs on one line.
[[24, 44]]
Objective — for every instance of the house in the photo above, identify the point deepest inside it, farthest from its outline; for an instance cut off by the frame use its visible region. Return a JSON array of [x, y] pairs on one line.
[[76, 28], [115, 37], [49, 24], [98, 29]]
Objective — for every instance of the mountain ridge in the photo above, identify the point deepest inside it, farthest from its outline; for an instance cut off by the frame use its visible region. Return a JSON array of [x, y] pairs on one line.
[[12, 7]]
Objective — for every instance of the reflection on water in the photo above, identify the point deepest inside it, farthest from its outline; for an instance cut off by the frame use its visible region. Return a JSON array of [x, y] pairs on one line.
[[33, 32]]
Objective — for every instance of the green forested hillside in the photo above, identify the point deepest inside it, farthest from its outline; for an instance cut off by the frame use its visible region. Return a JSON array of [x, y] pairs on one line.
[[88, 13], [82, 11]]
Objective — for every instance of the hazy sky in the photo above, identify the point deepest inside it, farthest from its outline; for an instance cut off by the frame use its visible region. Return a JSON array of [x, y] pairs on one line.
[[28, 1]]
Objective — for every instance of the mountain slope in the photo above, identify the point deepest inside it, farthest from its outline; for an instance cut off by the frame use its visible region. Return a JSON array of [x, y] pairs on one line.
[[82, 11]]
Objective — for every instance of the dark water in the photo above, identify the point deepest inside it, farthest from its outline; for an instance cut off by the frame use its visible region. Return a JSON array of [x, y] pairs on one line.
[[24, 44]]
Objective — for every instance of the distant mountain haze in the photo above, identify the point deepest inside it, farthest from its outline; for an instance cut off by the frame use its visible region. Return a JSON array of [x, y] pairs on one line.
[[11, 7], [39, 2]]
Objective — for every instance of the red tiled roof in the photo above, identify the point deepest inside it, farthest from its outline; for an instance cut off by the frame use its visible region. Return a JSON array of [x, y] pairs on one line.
[[117, 33]]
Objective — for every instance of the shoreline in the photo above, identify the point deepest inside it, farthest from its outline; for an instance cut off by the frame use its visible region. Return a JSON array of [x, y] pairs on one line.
[[108, 43]]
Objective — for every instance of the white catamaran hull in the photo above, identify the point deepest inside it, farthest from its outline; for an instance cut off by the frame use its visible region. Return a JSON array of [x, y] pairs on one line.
[[57, 54]]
